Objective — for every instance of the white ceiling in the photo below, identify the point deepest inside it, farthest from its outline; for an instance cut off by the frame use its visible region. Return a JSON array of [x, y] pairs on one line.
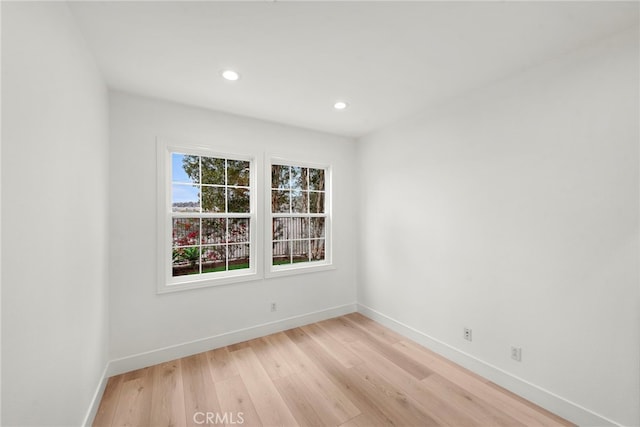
[[386, 59]]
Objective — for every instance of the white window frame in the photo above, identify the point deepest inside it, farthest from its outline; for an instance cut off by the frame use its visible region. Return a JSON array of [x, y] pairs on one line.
[[301, 267], [166, 282]]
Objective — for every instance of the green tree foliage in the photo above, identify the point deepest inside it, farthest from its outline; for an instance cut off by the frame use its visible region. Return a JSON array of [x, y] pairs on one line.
[[297, 183], [215, 176], [191, 165]]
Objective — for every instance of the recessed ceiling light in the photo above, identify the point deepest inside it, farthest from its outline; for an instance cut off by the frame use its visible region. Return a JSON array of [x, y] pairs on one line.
[[340, 105], [230, 75]]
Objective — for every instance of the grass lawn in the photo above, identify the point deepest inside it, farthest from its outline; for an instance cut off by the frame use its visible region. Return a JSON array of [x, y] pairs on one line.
[[223, 268]]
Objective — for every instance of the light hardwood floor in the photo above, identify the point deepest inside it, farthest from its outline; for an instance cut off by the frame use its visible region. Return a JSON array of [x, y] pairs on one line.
[[349, 371]]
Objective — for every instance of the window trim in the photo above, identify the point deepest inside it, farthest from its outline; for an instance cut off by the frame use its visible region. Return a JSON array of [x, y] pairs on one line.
[[301, 267], [165, 281]]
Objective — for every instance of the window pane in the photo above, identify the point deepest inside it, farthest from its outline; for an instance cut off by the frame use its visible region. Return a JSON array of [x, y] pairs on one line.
[[186, 231], [185, 168], [316, 202], [317, 227], [300, 193], [316, 179], [299, 203], [214, 230], [300, 251], [298, 178], [281, 253], [238, 200], [280, 200], [281, 228], [280, 177], [238, 172], [186, 261], [317, 249], [205, 192], [212, 171], [213, 199], [238, 256], [238, 230], [185, 198], [214, 258], [299, 228]]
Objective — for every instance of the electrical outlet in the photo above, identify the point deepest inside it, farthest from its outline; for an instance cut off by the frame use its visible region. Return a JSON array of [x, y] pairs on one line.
[[516, 353], [467, 334], [274, 307]]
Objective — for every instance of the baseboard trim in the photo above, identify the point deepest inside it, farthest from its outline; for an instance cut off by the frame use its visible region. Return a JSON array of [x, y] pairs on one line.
[[544, 398], [150, 358], [95, 401]]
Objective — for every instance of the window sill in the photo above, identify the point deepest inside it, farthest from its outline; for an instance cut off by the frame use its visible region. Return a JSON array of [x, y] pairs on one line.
[[208, 283], [288, 270]]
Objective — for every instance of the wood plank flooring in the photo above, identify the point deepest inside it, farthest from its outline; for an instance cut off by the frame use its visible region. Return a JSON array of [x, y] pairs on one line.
[[349, 371]]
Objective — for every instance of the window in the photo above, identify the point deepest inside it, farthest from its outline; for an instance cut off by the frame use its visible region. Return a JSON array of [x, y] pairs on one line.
[[217, 226], [208, 218], [300, 217]]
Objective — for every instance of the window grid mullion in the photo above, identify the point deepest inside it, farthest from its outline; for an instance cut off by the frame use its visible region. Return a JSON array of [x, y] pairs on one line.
[[290, 251], [307, 191], [200, 196], [211, 215], [199, 245], [290, 242], [226, 242], [200, 218], [290, 191], [298, 215], [226, 188], [226, 210]]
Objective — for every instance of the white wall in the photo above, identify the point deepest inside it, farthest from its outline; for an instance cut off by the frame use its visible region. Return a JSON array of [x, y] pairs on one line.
[[54, 218], [143, 321], [514, 211]]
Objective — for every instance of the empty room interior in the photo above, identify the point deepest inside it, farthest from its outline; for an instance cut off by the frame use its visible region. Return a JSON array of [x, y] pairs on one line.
[[320, 213]]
